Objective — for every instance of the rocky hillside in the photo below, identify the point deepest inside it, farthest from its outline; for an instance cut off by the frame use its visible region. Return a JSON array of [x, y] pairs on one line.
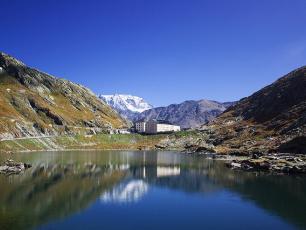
[[272, 120], [189, 114], [33, 103], [127, 106]]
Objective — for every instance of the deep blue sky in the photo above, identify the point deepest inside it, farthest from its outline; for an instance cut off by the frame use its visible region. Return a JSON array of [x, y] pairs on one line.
[[166, 51]]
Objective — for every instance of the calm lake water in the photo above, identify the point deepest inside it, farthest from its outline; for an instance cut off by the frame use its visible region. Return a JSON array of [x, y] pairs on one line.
[[146, 190]]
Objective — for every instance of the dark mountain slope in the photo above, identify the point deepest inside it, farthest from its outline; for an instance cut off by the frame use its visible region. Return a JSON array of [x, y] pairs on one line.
[[282, 103]]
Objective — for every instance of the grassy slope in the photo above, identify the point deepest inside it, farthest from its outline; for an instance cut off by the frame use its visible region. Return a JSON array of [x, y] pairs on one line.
[[100, 141], [15, 107]]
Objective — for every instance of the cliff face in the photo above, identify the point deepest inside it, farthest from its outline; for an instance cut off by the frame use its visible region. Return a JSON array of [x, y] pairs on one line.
[[272, 119], [33, 103]]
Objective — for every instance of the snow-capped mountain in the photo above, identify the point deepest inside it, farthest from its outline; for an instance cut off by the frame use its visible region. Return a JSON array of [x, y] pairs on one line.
[[126, 105]]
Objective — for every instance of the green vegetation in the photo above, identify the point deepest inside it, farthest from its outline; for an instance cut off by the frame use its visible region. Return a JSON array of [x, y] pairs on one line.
[[99, 141], [187, 133]]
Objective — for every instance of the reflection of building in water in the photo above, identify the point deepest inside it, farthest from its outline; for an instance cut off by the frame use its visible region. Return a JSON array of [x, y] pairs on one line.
[[157, 165], [148, 167], [165, 158], [150, 172], [168, 171], [127, 159]]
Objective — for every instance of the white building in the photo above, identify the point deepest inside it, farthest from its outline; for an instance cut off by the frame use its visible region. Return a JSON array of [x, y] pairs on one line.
[[123, 131], [154, 126], [167, 128], [140, 127], [168, 171]]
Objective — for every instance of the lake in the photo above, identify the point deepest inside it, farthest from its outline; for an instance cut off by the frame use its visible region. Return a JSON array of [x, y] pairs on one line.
[[146, 190]]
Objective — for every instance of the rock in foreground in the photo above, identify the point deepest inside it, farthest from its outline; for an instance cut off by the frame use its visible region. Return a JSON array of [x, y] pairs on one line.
[[12, 167], [275, 163]]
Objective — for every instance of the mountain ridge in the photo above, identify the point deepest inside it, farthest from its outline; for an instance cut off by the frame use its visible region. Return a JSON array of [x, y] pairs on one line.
[[188, 114]]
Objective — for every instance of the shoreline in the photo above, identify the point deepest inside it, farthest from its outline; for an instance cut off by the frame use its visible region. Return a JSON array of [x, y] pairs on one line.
[[280, 164]]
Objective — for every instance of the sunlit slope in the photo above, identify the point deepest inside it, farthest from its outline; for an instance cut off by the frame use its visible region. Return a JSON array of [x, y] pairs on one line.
[[33, 103]]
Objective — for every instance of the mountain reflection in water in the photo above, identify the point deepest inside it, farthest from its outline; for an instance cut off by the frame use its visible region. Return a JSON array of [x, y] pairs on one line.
[[62, 185], [130, 191]]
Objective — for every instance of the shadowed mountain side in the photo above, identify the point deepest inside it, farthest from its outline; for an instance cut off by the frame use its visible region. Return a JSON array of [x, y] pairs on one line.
[[267, 119]]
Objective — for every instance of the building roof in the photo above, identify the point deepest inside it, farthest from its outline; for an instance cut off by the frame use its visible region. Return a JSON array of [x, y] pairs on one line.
[[141, 120], [165, 122]]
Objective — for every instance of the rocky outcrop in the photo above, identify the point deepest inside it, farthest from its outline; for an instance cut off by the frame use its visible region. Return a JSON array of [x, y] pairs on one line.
[[189, 114], [12, 167], [271, 162], [33, 103]]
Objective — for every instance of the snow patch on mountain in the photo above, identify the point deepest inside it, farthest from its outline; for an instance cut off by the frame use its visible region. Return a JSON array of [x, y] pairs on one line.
[[126, 105]]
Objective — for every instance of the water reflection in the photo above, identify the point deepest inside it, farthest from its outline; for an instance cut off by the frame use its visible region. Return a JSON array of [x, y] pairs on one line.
[[51, 191], [168, 171], [127, 192], [62, 184]]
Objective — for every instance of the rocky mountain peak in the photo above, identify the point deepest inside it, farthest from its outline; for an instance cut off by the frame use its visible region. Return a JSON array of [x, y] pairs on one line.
[[7, 60], [126, 102]]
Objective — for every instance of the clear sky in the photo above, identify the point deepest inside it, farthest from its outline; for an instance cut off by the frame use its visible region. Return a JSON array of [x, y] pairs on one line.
[[165, 51]]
